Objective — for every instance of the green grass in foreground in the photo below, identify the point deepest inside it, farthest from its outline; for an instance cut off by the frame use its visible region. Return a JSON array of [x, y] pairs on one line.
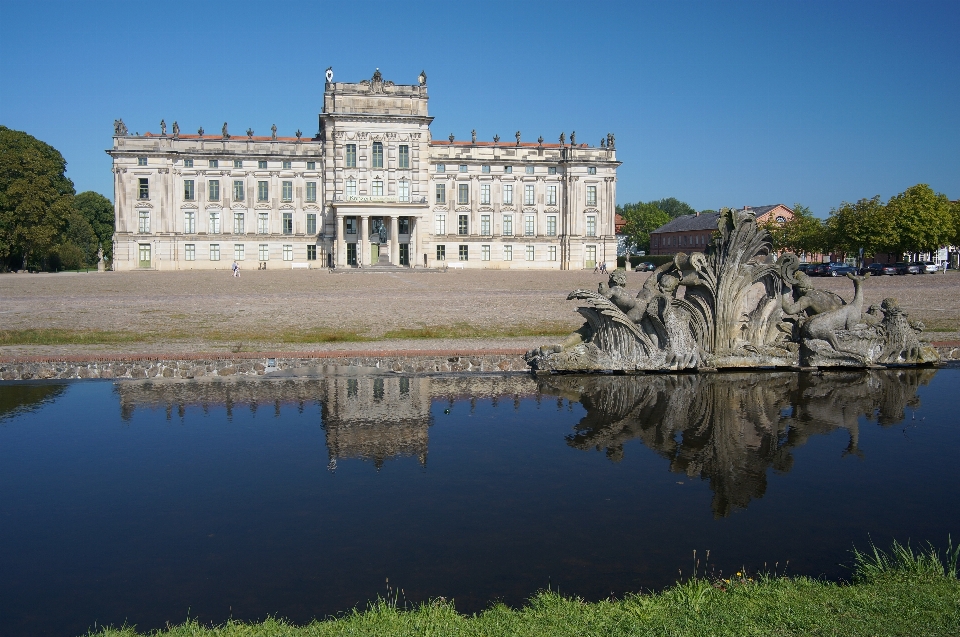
[[897, 593], [466, 330], [51, 336]]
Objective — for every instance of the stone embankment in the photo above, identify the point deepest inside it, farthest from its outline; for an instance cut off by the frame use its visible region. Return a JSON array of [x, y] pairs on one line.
[[258, 364]]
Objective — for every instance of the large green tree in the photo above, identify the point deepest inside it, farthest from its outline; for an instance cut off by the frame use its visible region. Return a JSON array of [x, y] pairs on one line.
[[922, 219], [98, 211], [865, 224], [641, 219], [674, 207]]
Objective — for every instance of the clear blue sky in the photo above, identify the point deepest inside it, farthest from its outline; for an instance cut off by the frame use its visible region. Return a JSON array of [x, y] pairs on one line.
[[715, 103]]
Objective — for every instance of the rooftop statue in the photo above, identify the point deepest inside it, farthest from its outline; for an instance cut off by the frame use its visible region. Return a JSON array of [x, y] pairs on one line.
[[733, 306]]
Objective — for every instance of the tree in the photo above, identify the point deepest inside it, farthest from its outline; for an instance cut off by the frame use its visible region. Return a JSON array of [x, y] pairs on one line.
[[674, 207], [803, 234], [922, 219], [98, 211], [36, 198], [641, 219], [866, 224]]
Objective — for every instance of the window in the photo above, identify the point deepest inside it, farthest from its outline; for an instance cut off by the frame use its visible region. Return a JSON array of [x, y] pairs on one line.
[[189, 252], [189, 222], [530, 253], [529, 225], [288, 253], [263, 222], [404, 190], [440, 224], [441, 168], [287, 165], [141, 161], [551, 226], [238, 223], [351, 254], [264, 252], [311, 223], [529, 198], [551, 253], [311, 165], [311, 191], [463, 168], [591, 256], [484, 253], [377, 188], [213, 163], [591, 195], [484, 194], [144, 188], [213, 190], [441, 253], [404, 223], [485, 169], [238, 252], [463, 194], [351, 188], [441, 193], [311, 253], [507, 170], [528, 170], [144, 222], [214, 223], [188, 193], [238, 190], [507, 225], [591, 226], [592, 170], [551, 195], [287, 223], [403, 157], [351, 156], [377, 155], [262, 164], [508, 194], [238, 163], [485, 225], [508, 253], [214, 251], [263, 190], [462, 224], [286, 190], [552, 170], [188, 163], [350, 225], [463, 253]]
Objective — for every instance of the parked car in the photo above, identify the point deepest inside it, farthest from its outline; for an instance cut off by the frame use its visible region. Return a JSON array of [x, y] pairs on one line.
[[840, 269], [646, 266], [805, 267], [929, 267], [877, 269], [818, 269], [909, 268]]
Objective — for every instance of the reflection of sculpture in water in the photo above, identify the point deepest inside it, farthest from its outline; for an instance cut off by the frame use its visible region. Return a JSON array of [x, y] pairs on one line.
[[731, 429], [740, 308]]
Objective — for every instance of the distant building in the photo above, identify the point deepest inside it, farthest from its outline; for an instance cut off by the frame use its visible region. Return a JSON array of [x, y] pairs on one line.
[[372, 186], [692, 233]]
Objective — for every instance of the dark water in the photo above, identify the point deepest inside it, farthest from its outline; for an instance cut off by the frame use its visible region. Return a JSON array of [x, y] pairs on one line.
[[145, 502]]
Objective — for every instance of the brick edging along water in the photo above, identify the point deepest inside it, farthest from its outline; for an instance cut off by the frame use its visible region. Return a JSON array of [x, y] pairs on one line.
[[260, 363]]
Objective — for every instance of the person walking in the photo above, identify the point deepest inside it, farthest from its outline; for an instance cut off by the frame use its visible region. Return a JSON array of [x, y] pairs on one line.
[[236, 269]]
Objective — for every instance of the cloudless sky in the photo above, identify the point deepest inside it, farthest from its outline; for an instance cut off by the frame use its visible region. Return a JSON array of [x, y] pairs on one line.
[[725, 103]]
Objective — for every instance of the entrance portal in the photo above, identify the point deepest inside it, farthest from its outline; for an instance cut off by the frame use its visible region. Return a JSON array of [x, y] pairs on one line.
[[405, 254], [144, 255], [374, 253]]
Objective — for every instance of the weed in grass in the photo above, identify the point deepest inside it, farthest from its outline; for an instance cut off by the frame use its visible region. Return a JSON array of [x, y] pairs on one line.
[[876, 563]]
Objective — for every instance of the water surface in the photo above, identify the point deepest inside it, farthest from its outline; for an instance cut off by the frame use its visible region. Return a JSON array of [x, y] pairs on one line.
[[143, 502]]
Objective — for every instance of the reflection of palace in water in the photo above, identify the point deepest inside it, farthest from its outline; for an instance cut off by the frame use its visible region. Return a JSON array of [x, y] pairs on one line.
[[371, 417], [731, 428]]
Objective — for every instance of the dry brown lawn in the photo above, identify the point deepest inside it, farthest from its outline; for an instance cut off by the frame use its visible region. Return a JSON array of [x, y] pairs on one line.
[[48, 314]]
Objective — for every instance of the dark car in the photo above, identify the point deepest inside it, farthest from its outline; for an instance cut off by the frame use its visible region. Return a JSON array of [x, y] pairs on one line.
[[877, 269], [805, 267], [818, 269], [909, 268], [840, 269], [646, 266]]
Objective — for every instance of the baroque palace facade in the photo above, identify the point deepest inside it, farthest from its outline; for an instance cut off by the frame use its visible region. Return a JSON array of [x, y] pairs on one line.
[[371, 188]]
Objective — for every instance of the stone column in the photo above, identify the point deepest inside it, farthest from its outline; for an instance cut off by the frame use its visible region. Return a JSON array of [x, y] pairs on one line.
[[393, 239], [413, 249], [363, 241], [341, 256]]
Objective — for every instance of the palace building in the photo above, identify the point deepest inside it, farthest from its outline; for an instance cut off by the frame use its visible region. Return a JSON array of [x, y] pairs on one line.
[[372, 188]]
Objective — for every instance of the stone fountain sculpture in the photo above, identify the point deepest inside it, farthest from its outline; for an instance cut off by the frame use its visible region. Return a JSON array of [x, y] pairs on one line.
[[733, 306]]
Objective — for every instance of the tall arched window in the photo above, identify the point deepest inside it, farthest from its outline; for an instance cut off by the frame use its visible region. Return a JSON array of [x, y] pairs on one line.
[[377, 155]]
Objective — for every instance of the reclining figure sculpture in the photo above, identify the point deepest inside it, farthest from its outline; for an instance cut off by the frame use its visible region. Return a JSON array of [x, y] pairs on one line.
[[734, 306]]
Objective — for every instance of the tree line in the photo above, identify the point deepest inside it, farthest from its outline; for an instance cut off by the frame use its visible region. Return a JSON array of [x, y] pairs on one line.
[[915, 221], [44, 224]]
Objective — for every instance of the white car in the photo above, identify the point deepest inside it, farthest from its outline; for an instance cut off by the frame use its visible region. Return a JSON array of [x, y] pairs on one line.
[[929, 267]]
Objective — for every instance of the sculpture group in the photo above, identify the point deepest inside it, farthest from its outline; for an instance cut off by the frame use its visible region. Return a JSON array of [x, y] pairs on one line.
[[733, 306]]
